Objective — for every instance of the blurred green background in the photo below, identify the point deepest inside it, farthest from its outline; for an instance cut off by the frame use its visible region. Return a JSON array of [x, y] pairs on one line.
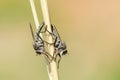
[[91, 29]]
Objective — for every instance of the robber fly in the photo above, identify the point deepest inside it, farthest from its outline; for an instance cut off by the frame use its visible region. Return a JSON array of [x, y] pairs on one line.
[[38, 44], [59, 45]]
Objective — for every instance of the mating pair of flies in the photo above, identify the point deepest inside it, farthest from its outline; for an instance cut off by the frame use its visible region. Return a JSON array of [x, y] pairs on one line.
[[60, 48]]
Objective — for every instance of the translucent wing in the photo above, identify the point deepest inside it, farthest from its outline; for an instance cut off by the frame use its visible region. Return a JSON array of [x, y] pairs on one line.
[[32, 32], [55, 32]]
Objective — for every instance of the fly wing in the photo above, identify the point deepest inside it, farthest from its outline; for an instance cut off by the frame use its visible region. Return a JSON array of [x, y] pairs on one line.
[[61, 45], [32, 32], [55, 32]]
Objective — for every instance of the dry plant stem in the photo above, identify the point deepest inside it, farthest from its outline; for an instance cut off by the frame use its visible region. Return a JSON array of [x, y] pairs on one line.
[[52, 68], [35, 16], [34, 13]]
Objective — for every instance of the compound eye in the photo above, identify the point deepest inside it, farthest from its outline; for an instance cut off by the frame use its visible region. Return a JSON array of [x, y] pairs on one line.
[[64, 52]]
